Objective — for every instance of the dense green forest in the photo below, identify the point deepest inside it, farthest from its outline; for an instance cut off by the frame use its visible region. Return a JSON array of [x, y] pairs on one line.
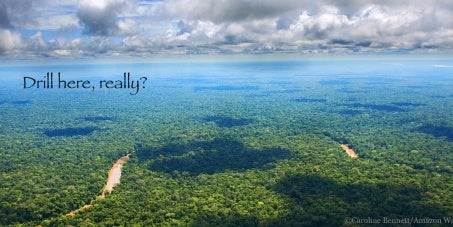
[[258, 145]]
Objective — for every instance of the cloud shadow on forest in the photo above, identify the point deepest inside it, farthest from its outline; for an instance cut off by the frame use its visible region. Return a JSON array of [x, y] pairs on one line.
[[319, 201], [227, 122], [437, 131], [15, 215], [387, 108], [209, 157], [233, 219], [17, 102], [70, 131], [408, 104], [356, 108], [350, 112], [309, 100], [98, 119]]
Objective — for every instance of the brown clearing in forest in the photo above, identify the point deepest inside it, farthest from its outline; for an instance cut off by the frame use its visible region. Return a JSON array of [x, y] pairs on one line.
[[349, 151], [112, 180]]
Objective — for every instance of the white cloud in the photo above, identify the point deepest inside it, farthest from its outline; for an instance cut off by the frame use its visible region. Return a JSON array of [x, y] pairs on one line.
[[55, 22], [102, 17], [133, 27], [128, 27], [338, 25], [36, 42], [228, 11], [17, 13], [10, 41], [62, 52]]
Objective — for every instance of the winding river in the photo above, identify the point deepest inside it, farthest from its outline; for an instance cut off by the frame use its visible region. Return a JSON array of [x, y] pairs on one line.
[[112, 180]]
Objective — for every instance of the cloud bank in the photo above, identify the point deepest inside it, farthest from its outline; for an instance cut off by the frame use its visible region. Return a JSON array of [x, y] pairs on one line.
[[54, 28]]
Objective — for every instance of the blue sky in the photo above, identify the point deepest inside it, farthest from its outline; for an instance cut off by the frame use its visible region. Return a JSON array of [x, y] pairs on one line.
[[67, 29]]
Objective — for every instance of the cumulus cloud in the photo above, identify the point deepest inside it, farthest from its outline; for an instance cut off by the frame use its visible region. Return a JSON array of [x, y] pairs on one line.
[[17, 13], [102, 18], [9, 40], [133, 27], [353, 25], [128, 27], [37, 42], [4, 17], [228, 11]]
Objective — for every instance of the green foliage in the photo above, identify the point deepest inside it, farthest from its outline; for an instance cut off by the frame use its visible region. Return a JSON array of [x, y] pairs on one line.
[[211, 153]]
